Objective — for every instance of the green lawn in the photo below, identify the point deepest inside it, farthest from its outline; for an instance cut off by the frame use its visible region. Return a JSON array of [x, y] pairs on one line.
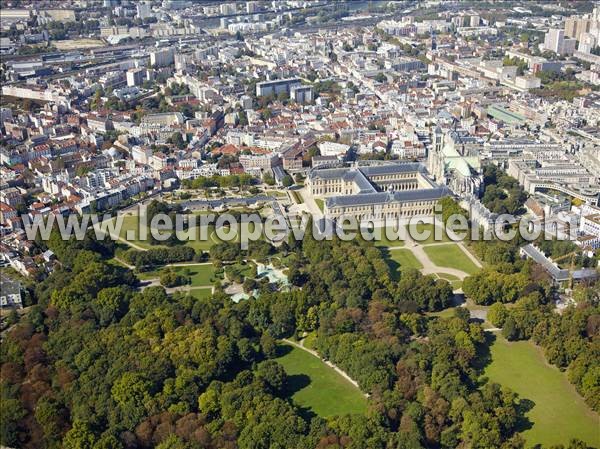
[[450, 256], [130, 222], [446, 313], [454, 281], [399, 259], [240, 269], [431, 238], [201, 293], [200, 275], [405, 235], [297, 197], [317, 387], [558, 412], [320, 203], [397, 237]]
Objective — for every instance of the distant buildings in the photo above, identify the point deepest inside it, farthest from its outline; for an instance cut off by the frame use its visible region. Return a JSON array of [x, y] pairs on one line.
[[162, 58], [259, 161], [143, 10], [555, 41], [135, 77], [276, 87], [302, 94], [10, 293], [590, 227], [164, 119]]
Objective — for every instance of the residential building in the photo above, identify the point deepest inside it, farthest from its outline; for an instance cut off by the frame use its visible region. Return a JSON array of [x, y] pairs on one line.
[[276, 87]]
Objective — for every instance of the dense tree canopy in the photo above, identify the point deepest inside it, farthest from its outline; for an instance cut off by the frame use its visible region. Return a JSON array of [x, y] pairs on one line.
[[99, 364]]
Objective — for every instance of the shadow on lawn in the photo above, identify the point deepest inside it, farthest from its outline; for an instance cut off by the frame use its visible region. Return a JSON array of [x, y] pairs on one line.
[[524, 423], [483, 359], [295, 383], [484, 355]]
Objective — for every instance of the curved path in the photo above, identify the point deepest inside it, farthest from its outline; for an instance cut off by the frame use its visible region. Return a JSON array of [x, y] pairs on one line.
[[115, 237], [428, 266], [155, 282], [338, 370]]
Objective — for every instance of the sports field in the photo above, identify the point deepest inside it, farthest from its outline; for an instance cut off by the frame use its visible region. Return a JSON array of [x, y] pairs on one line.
[[317, 387], [558, 413]]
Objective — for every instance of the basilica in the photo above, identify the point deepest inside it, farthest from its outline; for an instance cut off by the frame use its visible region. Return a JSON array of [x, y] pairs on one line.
[[454, 161]]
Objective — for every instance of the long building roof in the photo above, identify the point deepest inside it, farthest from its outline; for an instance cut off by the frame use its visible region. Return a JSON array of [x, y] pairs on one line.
[[404, 196]]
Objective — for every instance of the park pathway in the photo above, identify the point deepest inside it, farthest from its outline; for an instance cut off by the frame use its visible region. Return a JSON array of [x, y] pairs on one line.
[[155, 282], [310, 203], [122, 262], [119, 238], [337, 369], [474, 259], [428, 266]]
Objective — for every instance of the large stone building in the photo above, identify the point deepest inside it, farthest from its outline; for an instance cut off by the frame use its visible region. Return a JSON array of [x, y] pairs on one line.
[[376, 192]]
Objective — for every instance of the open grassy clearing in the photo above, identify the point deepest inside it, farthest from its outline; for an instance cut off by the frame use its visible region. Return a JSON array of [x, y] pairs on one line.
[[398, 237], [435, 234], [390, 236], [200, 275], [203, 241], [317, 387], [131, 228], [557, 412], [401, 259], [200, 293], [446, 313], [454, 281], [450, 256]]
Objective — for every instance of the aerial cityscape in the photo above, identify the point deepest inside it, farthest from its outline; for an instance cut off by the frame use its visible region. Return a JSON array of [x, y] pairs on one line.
[[299, 224]]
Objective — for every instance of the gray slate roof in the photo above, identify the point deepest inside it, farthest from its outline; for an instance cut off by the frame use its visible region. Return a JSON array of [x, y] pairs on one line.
[[404, 196]]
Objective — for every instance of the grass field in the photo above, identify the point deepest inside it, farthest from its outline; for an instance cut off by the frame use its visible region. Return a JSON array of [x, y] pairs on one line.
[[201, 293], [399, 259], [317, 387], [407, 233], [397, 238], [431, 238], [558, 413], [131, 226], [454, 281], [446, 313], [130, 223], [320, 203], [450, 256], [200, 275]]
